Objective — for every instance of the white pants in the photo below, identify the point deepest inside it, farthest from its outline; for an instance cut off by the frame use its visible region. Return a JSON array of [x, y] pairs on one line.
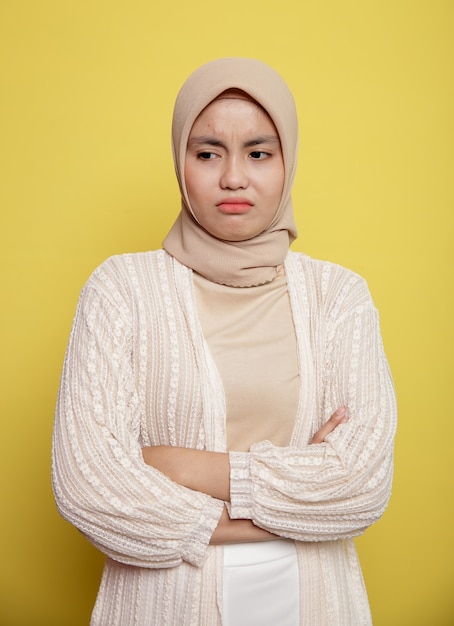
[[261, 584]]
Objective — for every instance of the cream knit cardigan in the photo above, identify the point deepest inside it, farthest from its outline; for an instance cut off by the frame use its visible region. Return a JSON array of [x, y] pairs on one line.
[[138, 372]]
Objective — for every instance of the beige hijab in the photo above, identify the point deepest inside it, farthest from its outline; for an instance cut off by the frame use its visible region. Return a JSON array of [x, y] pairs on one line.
[[235, 263]]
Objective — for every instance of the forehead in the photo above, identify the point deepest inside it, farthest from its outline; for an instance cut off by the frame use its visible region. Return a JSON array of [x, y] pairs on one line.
[[233, 110]]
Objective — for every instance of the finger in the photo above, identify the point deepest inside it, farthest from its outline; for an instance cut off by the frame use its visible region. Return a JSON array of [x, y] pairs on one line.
[[338, 417]]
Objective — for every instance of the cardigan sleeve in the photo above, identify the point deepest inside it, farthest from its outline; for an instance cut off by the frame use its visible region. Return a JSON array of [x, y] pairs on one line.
[[338, 488], [128, 510]]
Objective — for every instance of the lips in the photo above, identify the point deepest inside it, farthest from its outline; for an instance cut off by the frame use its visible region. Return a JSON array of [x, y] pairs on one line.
[[234, 206]]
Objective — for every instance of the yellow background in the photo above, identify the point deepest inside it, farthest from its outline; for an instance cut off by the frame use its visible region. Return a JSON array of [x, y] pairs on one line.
[[87, 92]]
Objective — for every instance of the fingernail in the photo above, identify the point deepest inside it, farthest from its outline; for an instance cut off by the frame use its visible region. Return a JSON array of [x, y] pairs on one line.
[[340, 411]]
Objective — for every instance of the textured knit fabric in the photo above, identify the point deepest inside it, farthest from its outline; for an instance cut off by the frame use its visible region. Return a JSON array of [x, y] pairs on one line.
[[251, 337], [236, 263], [138, 372]]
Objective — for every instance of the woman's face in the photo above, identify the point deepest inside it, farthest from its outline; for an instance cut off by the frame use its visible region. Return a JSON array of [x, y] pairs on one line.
[[234, 170]]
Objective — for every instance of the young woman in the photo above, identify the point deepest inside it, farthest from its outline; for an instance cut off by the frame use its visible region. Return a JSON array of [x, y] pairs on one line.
[[226, 416]]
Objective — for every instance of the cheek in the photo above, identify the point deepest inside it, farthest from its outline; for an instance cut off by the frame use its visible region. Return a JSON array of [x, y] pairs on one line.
[[192, 187], [275, 185], [196, 178], [188, 177]]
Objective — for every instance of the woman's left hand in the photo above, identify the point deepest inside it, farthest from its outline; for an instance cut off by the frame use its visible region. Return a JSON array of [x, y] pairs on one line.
[[338, 417]]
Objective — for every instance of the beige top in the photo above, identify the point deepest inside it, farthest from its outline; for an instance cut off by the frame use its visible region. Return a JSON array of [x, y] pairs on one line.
[[251, 336]]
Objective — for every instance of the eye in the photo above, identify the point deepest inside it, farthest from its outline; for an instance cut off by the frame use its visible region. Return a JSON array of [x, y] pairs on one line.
[[259, 155], [206, 156]]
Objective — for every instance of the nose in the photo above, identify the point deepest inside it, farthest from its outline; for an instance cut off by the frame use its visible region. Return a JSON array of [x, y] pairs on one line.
[[233, 174]]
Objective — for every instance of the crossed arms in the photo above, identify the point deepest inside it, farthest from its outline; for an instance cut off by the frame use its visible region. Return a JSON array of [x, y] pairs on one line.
[[209, 472]]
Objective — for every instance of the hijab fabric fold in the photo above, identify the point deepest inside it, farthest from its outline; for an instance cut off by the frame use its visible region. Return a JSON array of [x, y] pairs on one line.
[[235, 263]]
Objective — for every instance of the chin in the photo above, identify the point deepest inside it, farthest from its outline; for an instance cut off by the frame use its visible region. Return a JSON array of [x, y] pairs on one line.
[[236, 237]]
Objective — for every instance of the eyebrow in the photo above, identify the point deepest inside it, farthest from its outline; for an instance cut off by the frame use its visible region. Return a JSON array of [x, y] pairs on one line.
[[213, 141]]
